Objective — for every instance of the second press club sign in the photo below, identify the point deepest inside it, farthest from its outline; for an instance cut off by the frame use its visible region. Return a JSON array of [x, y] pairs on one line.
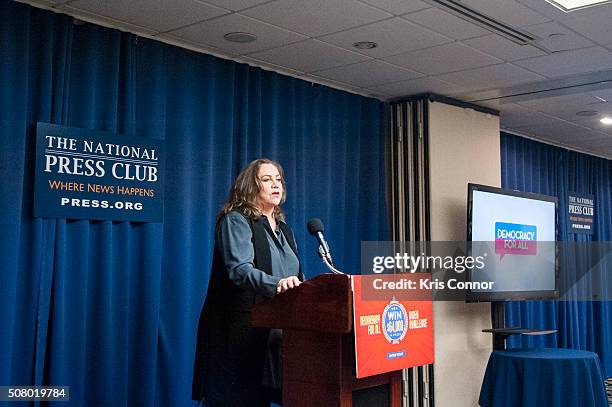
[[85, 174]]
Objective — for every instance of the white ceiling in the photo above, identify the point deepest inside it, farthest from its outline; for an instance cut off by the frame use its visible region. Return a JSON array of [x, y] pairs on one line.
[[422, 47]]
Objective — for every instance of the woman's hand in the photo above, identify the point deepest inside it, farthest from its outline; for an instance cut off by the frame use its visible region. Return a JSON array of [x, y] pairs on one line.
[[286, 284]]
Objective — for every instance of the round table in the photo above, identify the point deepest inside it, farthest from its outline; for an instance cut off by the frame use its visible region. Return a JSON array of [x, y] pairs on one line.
[[543, 378]]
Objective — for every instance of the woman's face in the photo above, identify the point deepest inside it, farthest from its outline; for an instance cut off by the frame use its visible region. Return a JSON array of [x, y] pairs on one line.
[[271, 187]]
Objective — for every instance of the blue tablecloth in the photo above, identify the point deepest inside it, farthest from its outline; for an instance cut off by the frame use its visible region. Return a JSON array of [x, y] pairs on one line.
[[543, 378]]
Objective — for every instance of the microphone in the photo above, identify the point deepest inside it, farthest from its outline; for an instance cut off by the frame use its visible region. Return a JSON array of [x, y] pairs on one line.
[[315, 228]]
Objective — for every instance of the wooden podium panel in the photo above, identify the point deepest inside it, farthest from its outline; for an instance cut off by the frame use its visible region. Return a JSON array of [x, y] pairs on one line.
[[321, 304], [319, 344]]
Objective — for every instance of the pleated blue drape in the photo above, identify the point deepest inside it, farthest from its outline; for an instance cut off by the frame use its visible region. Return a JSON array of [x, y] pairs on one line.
[[536, 167], [111, 308]]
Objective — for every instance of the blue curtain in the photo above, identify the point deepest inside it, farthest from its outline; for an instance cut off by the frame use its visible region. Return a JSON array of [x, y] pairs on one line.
[[111, 308], [535, 167]]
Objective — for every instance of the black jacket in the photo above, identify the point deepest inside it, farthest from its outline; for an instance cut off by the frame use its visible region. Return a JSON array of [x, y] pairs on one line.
[[230, 352]]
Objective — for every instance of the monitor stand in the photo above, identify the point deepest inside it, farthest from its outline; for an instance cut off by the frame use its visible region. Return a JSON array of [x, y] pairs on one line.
[[501, 332]]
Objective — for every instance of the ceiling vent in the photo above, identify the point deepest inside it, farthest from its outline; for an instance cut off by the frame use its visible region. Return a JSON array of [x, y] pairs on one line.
[[476, 17]]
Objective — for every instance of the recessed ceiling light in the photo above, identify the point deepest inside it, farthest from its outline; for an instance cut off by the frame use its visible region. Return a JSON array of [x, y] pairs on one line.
[[365, 45], [240, 37], [571, 5], [606, 120], [587, 113]]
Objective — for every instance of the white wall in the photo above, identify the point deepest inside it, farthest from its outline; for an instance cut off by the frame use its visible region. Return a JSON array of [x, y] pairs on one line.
[[463, 147]]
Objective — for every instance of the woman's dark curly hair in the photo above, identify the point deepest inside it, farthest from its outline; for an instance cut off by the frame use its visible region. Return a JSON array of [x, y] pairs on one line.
[[244, 191]]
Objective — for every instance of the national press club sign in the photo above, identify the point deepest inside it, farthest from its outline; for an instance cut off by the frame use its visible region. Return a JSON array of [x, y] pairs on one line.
[[580, 213], [85, 174]]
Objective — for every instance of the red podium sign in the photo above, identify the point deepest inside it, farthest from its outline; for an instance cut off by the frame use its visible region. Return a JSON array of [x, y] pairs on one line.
[[390, 333]]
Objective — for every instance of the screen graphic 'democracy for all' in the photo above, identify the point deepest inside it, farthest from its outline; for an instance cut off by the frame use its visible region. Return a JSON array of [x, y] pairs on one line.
[[519, 233]]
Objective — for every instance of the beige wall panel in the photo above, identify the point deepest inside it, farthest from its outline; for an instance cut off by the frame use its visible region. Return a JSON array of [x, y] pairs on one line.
[[463, 147]]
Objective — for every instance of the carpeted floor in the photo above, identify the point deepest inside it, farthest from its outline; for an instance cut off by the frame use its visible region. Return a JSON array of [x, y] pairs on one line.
[[609, 390]]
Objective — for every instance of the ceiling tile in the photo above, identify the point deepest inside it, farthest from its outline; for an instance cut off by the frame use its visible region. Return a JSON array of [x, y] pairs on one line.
[[309, 56], [373, 94], [548, 10], [508, 11], [443, 59], [502, 48], [555, 37], [595, 26], [488, 77], [569, 114], [415, 86], [211, 33], [393, 36], [446, 24], [596, 83], [236, 5], [590, 145], [495, 104], [317, 17], [575, 100], [569, 62], [398, 7], [46, 3], [601, 145], [559, 131], [605, 94], [578, 139], [330, 82], [602, 152], [513, 115], [156, 15], [594, 122], [268, 66], [524, 119], [605, 152], [368, 73], [106, 21], [565, 106]]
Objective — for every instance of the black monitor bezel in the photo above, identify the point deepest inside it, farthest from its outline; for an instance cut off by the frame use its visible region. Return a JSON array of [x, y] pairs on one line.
[[472, 296]]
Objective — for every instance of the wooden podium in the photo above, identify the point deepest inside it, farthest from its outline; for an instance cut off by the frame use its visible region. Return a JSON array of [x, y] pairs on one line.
[[319, 347]]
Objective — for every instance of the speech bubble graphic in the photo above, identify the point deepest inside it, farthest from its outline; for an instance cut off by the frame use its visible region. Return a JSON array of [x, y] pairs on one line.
[[514, 238]]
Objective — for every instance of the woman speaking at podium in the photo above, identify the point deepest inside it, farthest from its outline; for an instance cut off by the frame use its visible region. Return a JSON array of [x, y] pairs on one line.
[[254, 257]]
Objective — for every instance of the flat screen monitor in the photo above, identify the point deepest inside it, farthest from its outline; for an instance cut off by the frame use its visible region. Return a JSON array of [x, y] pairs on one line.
[[516, 233]]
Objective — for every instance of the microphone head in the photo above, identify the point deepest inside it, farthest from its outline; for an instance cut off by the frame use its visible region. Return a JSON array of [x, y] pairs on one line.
[[315, 225]]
